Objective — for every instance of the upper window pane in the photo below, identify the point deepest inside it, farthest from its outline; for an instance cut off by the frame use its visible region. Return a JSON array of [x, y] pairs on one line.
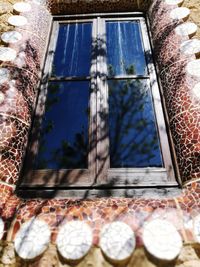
[[73, 51], [133, 133], [125, 54], [64, 133]]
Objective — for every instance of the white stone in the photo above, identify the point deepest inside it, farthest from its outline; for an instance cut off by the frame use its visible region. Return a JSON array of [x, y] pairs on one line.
[[186, 29], [193, 68], [32, 239], [196, 93], [21, 7], [7, 54], [117, 241], [20, 60], [39, 2], [190, 47], [180, 13], [17, 21], [162, 240], [1, 226], [4, 75], [11, 37], [174, 2], [2, 97], [196, 228], [74, 240]]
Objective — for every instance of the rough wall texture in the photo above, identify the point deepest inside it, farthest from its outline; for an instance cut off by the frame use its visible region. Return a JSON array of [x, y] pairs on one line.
[[194, 6], [16, 112], [87, 6], [188, 258], [20, 92], [183, 107]]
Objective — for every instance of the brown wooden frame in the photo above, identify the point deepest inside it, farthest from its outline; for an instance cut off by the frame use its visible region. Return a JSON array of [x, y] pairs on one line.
[[98, 173]]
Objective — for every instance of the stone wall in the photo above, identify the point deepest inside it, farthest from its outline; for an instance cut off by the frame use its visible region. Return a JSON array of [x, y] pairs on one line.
[[189, 257], [182, 104], [194, 7]]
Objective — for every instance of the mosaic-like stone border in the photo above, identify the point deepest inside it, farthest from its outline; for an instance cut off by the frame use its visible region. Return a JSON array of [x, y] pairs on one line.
[[184, 116], [182, 106]]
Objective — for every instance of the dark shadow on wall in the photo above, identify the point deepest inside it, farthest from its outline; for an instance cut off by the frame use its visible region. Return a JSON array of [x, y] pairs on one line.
[[97, 6]]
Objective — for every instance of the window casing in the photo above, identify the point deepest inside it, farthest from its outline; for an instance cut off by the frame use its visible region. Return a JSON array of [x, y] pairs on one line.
[[100, 170]]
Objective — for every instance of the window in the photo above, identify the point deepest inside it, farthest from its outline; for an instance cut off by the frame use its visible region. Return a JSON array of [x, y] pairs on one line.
[[99, 110]]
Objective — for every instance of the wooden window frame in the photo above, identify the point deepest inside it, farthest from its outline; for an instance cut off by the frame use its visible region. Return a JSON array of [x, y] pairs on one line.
[[98, 173]]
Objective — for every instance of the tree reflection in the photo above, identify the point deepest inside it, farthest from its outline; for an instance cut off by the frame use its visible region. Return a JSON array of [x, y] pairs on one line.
[[61, 146], [133, 135]]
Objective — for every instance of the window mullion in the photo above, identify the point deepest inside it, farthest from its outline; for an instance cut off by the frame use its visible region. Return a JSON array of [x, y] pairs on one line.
[[102, 105], [93, 98]]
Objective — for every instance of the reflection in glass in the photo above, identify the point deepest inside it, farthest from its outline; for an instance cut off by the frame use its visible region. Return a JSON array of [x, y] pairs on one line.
[[132, 129], [125, 55], [64, 134], [73, 50]]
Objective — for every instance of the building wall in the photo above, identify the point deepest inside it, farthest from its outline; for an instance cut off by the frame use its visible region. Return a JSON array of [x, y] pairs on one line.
[[182, 101]]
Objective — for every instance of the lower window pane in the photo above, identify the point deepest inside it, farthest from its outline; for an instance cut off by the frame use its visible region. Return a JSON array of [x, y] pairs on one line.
[[64, 133], [133, 133]]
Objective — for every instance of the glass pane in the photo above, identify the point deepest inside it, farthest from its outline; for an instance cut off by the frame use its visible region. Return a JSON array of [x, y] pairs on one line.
[[64, 134], [133, 135], [73, 50], [125, 53]]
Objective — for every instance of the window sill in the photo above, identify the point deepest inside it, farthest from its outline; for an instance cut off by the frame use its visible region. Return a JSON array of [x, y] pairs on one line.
[[88, 193]]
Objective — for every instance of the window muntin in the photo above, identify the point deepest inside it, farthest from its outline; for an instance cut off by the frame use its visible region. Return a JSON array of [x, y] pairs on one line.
[[100, 168]]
